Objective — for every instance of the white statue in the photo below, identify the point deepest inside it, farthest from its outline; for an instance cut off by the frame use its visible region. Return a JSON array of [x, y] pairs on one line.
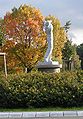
[[48, 28], [48, 64]]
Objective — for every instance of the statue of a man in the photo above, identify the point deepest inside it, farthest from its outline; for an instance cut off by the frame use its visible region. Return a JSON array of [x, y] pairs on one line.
[[48, 28], [48, 65]]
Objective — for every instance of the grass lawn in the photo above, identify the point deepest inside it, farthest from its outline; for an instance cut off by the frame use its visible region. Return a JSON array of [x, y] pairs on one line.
[[40, 109]]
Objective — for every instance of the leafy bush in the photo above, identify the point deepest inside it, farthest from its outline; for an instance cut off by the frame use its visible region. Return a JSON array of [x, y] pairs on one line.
[[38, 89]]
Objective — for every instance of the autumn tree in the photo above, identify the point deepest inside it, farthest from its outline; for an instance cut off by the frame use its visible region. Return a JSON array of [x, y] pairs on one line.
[[25, 39], [59, 36], [76, 62], [1, 32], [1, 42]]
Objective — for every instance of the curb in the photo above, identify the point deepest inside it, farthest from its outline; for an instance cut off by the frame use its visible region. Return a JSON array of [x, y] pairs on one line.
[[41, 114]]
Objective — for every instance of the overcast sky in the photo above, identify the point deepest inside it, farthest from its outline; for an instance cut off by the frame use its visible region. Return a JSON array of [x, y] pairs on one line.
[[63, 9]]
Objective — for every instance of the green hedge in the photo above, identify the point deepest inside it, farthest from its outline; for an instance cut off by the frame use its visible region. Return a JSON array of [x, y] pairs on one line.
[[38, 89]]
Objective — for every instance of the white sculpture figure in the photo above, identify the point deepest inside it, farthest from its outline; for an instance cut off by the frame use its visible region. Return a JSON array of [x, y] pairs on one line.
[[48, 28], [48, 65]]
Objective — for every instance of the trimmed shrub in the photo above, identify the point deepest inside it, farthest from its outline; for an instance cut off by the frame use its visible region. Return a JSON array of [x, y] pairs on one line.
[[38, 89]]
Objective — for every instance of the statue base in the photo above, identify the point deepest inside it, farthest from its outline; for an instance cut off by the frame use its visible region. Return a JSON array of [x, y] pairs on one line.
[[50, 67]]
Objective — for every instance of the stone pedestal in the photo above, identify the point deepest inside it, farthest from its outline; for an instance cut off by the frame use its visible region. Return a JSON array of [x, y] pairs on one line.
[[49, 67]]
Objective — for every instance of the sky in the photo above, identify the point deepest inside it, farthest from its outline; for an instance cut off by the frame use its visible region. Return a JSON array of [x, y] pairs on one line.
[[64, 10]]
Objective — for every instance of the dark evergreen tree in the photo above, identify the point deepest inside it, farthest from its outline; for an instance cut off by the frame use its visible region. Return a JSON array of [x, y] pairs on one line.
[[68, 50], [70, 56], [67, 26], [80, 53]]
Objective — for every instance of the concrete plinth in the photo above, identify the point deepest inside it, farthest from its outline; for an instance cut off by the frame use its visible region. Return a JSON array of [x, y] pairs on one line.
[[49, 68]]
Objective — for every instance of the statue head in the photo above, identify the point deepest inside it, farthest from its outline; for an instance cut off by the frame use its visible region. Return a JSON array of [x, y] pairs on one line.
[[47, 25]]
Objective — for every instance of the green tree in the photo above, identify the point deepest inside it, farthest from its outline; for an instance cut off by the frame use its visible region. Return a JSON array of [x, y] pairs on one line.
[[67, 26], [67, 53], [80, 53], [70, 56], [75, 58], [68, 50], [76, 62]]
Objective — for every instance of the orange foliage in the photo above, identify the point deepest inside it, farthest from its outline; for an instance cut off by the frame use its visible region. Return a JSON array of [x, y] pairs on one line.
[[24, 26]]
